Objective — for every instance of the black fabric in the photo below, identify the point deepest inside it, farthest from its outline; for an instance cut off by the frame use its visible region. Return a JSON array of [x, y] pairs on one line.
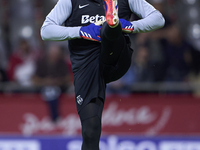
[[94, 64], [110, 34], [94, 108], [90, 73], [91, 132], [112, 44], [83, 17], [89, 82], [124, 9], [115, 53], [90, 117], [113, 73], [107, 63]]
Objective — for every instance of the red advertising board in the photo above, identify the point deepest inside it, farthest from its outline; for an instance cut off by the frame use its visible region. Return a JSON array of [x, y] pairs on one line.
[[146, 114]]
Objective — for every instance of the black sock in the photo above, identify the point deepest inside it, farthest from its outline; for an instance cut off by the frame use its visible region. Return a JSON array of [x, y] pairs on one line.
[[108, 33], [112, 44]]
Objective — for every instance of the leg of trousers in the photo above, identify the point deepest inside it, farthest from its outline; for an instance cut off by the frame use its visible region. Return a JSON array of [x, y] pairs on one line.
[[112, 44], [90, 117], [115, 52]]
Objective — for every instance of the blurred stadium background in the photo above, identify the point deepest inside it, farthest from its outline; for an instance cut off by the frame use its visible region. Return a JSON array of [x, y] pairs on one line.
[[155, 106]]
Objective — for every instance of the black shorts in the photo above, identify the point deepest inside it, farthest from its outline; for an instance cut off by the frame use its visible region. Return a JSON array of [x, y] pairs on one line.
[[90, 82]]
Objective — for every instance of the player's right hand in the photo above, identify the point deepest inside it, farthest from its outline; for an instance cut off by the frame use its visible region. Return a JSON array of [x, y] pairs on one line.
[[90, 32]]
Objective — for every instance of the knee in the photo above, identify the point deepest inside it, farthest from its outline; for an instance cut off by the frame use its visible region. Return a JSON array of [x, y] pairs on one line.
[[92, 131], [90, 134]]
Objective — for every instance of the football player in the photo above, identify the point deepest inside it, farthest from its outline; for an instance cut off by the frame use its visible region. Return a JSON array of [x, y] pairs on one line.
[[100, 51]]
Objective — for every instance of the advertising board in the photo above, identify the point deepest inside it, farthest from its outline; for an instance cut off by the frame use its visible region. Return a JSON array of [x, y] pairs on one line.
[[27, 114], [107, 143]]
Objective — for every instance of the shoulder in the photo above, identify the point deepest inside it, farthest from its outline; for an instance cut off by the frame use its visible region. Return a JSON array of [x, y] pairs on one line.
[[64, 3]]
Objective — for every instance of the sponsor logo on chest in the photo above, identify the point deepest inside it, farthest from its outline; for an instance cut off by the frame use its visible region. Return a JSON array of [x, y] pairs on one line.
[[91, 19]]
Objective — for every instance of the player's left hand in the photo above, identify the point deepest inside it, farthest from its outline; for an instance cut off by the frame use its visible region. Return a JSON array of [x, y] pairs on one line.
[[127, 26], [91, 32]]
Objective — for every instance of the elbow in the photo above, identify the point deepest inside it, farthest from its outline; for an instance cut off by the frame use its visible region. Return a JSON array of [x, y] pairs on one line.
[[42, 33], [162, 21]]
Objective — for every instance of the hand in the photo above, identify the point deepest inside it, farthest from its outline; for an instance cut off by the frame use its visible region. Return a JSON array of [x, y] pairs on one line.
[[90, 32], [127, 26]]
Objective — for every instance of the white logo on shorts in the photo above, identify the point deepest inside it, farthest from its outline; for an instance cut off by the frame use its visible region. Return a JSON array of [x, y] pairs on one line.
[[79, 100]]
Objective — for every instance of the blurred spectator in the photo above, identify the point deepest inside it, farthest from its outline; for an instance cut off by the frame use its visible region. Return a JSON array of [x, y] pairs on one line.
[[53, 75], [3, 76], [142, 65], [3, 56], [154, 41], [21, 65], [178, 55], [170, 54]]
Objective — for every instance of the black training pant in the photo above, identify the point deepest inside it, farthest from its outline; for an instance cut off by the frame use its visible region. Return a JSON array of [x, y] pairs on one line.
[[115, 53], [115, 59]]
